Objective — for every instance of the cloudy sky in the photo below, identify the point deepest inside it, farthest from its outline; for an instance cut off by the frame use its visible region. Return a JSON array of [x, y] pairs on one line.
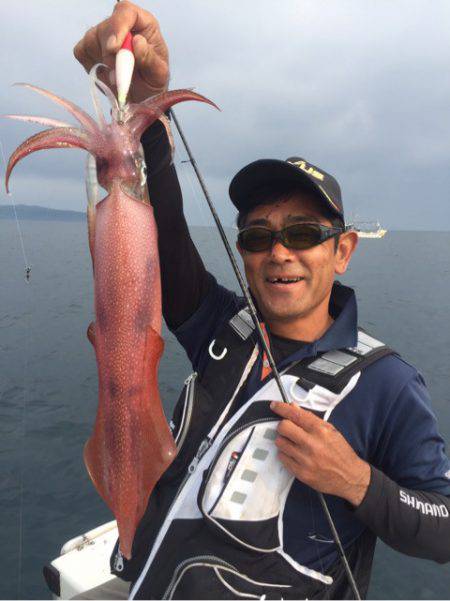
[[359, 87]]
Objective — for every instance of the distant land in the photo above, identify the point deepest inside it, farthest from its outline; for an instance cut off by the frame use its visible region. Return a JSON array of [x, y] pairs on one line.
[[36, 213]]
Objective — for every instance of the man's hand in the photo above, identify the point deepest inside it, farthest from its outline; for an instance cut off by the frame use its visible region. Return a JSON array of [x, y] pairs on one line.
[[101, 43], [318, 455]]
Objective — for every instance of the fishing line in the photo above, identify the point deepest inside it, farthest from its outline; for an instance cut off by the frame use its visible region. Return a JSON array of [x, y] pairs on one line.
[[23, 428], [209, 239], [19, 229], [186, 176], [234, 264], [268, 353], [316, 544], [22, 454]]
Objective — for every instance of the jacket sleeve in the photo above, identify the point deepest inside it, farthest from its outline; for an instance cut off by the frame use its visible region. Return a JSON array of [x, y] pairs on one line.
[[410, 449], [413, 522], [407, 503], [184, 279]]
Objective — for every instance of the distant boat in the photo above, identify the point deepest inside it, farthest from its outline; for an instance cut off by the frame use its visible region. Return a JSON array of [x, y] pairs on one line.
[[369, 229]]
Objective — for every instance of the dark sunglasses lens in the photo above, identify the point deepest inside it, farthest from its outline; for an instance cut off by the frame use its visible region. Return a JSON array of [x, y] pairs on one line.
[[302, 235], [255, 239]]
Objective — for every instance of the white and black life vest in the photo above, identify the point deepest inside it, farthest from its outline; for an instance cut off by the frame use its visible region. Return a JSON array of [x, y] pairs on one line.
[[214, 524]]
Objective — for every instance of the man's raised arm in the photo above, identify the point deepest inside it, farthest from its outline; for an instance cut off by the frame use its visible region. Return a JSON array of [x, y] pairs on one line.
[[185, 281]]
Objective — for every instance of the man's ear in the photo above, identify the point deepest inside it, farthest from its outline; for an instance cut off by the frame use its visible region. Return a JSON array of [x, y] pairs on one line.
[[348, 241], [238, 248]]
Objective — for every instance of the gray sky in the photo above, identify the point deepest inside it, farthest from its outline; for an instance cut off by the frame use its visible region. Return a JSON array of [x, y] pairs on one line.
[[360, 88]]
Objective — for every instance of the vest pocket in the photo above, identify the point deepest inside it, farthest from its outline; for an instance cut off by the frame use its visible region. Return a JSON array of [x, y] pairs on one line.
[[187, 403], [209, 577], [245, 487], [189, 426]]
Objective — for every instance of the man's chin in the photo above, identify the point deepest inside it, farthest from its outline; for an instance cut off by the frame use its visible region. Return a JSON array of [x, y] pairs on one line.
[[279, 309], [281, 314]]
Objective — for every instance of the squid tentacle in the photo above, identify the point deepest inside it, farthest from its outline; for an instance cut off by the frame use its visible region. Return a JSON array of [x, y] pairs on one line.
[[94, 93], [108, 93], [96, 82], [58, 137], [142, 115], [41, 120], [86, 120]]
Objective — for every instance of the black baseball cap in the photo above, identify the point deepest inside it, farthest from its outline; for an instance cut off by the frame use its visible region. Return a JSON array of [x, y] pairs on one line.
[[265, 172]]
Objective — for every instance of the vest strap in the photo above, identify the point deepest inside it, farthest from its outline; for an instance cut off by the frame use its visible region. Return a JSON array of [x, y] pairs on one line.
[[242, 323]]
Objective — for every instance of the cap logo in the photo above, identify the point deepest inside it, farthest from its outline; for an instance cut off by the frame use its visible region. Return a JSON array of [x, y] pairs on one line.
[[310, 170]]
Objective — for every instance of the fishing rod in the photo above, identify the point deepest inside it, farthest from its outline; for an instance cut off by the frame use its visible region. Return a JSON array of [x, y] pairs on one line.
[[265, 345]]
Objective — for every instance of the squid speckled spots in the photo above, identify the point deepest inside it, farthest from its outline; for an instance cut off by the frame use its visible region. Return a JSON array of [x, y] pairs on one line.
[[131, 445]]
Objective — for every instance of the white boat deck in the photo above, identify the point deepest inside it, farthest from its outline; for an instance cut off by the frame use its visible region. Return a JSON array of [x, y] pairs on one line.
[[83, 563]]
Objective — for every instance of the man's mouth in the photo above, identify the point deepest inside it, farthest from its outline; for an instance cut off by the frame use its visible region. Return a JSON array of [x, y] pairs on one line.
[[285, 280]]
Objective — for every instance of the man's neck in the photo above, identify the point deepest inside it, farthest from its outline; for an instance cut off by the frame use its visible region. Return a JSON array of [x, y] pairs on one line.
[[307, 328]]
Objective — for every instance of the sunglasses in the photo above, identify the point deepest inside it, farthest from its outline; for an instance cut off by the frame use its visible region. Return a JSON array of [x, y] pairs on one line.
[[299, 236]]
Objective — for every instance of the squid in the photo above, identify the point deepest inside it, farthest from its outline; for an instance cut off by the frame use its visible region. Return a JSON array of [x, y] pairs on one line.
[[131, 444]]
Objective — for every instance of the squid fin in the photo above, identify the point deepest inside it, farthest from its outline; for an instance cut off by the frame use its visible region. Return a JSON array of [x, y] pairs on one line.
[[125, 467]]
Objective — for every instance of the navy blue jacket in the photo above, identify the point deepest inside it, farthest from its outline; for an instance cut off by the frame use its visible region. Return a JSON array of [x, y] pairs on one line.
[[387, 419]]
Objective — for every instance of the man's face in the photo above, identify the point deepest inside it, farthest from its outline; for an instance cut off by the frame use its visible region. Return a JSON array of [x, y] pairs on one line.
[[316, 266]]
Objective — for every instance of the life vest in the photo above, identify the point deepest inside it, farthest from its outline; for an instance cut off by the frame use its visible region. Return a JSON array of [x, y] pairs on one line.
[[214, 523]]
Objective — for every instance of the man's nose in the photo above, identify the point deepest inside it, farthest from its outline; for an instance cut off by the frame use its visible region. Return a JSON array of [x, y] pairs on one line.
[[279, 252]]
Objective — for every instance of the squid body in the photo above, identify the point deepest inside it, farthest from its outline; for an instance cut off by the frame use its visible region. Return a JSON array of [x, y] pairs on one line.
[[131, 444]]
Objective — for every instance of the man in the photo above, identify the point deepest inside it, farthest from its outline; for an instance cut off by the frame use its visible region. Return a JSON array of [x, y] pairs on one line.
[[237, 514]]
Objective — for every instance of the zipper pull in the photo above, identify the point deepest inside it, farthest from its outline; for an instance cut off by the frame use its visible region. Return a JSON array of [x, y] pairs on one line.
[[190, 377], [118, 561], [204, 446]]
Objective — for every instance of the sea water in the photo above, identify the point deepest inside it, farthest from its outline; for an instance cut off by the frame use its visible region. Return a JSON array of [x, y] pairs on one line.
[[48, 383]]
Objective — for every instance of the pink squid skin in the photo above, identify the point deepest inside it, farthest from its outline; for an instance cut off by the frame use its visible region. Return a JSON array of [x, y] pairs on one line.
[[131, 445]]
